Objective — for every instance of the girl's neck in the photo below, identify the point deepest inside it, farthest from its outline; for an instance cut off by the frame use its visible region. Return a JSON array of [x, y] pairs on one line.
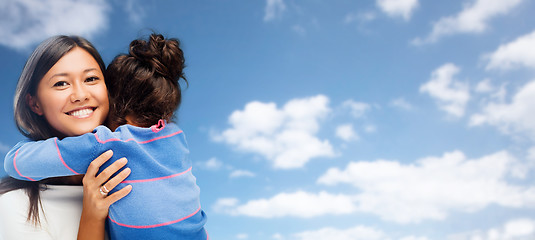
[[130, 120]]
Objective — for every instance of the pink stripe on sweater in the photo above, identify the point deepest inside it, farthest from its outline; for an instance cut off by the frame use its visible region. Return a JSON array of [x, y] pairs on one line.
[[61, 158], [155, 179], [16, 169], [156, 225], [131, 139]]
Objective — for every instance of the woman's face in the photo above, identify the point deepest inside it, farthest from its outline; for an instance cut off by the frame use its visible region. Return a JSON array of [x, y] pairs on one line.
[[72, 95]]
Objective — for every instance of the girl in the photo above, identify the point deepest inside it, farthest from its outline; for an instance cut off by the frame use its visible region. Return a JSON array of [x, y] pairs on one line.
[[145, 92], [58, 208]]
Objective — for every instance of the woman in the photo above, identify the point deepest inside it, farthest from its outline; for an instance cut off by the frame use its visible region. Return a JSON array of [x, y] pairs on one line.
[[61, 92]]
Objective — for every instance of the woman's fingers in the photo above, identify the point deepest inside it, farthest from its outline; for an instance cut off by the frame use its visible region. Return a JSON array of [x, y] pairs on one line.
[[96, 187], [118, 195], [95, 164], [113, 182], [109, 171]]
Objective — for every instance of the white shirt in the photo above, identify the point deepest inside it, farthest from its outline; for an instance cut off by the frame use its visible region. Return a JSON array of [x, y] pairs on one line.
[[59, 215]]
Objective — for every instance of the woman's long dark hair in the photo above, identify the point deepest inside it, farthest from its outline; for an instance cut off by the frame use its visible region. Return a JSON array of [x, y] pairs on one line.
[[31, 125]]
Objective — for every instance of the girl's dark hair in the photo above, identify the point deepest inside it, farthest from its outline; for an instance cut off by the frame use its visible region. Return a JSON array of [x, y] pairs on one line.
[[145, 82], [30, 124]]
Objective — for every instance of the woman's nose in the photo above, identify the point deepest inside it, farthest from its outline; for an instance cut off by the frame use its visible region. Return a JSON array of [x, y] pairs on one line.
[[79, 93]]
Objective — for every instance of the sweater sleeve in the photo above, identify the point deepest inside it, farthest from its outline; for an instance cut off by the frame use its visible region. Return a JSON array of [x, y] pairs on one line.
[[36, 160]]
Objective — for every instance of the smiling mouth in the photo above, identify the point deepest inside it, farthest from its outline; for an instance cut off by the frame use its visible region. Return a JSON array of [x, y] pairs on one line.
[[81, 113]]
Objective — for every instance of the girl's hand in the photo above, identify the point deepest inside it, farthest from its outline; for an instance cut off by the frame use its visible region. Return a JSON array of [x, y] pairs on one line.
[[96, 201]]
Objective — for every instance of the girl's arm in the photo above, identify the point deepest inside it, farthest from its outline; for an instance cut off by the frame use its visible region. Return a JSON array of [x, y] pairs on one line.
[[96, 205], [36, 160]]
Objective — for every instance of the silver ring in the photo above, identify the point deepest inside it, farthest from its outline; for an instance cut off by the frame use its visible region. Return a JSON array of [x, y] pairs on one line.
[[102, 192]]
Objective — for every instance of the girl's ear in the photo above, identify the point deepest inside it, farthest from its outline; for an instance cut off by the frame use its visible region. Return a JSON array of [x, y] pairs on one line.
[[34, 104]]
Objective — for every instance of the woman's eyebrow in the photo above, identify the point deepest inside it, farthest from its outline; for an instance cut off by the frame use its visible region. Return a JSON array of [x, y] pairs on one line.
[[89, 70], [57, 75], [66, 74]]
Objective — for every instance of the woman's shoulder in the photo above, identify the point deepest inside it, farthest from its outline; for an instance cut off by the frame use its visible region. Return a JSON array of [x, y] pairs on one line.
[[18, 201], [13, 214], [13, 207], [13, 200], [62, 206]]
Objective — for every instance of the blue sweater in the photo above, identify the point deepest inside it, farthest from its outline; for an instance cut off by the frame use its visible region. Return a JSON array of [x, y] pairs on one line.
[[164, 202]]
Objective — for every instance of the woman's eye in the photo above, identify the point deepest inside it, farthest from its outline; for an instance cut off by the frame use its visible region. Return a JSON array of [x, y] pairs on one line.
[[91, 79], [60, 84]]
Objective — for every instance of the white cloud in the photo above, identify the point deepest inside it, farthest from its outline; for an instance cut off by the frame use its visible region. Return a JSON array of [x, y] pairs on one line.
[[135, 10], [501, 93], [284, 136], [211, 164], [370, 128], [223, 204], [484, 86], [450, 94], [398, 8], [518, 53], [531, 153], [241, 173], [516, 229], [359, 232], [489, 92], [511, 118], [346, 132], [214, 164], [277, 236], [299, 204], [242, 236], [413, 238], [357, 109], [274, 9], [354, 233], [401, 103], [428, 189], [473, 18], [24, 23], [519, 228], [432, 187]]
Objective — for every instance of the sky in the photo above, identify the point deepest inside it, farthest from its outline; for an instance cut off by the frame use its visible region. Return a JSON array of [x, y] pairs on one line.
[[376, 119]]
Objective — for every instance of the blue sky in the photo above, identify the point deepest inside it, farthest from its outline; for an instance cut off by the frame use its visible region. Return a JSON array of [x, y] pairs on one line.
[[378, 119]]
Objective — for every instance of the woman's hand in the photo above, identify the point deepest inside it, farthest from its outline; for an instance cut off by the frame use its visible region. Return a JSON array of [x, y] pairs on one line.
[[96, 202], [94, 185]]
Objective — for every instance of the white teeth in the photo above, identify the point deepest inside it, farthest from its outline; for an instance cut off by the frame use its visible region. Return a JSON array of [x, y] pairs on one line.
[[82, 113]]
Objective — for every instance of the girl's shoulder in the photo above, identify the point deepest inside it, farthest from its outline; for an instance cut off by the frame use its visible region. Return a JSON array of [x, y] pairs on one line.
[[162, 127]]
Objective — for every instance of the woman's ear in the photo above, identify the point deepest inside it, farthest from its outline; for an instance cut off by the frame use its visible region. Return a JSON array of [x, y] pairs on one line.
[[34, 104]]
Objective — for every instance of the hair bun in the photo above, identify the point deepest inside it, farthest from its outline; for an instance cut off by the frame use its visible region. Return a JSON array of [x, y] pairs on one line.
[[162, 56]]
